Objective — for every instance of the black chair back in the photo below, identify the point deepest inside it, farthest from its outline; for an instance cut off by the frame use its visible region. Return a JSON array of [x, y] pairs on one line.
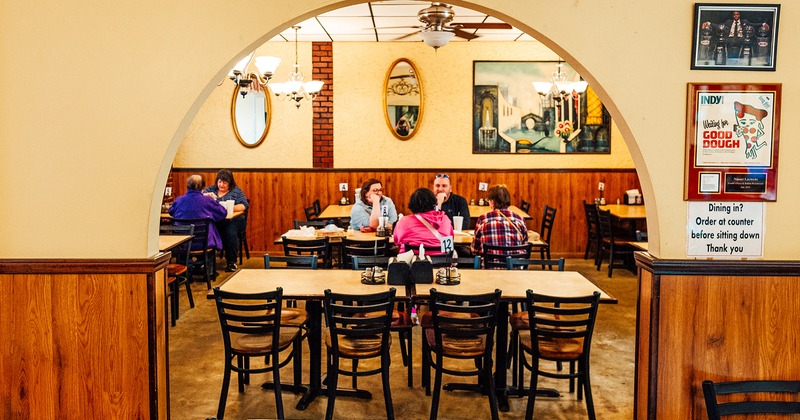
[[202, 257], [750, 405], [546, 230], [592, 230], [360, 262], [201, 229], [494, 256], [351, 247], [320, 247], [292, 261], [315, 223], [525, 206]]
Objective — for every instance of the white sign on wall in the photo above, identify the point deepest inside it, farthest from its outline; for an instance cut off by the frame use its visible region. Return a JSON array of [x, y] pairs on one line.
[[725, 229]]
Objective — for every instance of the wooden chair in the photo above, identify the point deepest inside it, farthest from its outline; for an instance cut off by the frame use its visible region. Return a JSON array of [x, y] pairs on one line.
[[178, 269], [292, 261], [494, 256], [358, 329], [560, 330], [312, 212], [250, 329], [316, 223], [525, 206], [360, 262], [321, 247], [519, 319], [463, 327], [750, 404], [618, 249], [546, 232], [592, 231], [375, 247], [202, 256]]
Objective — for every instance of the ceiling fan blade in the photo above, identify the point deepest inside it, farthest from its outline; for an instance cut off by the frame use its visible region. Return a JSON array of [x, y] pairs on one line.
[[462, 34], [487, 25], [405, 36]]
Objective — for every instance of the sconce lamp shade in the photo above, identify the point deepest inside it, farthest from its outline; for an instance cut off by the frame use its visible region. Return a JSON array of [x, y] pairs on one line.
[[267, 64]]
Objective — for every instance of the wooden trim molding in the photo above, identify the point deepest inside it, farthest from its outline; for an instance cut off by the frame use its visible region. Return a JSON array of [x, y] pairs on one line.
[[85, 266], [412, 170], [717, 267]]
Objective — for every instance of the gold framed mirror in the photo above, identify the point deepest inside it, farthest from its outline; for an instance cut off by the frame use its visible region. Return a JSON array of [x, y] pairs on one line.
[[403, 99], [251, 114]]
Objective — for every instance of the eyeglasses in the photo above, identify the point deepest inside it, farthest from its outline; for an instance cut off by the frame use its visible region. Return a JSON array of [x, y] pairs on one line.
[[442, 176]]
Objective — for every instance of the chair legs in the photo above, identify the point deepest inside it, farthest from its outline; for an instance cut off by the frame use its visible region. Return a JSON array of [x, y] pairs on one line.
[[332, 383]]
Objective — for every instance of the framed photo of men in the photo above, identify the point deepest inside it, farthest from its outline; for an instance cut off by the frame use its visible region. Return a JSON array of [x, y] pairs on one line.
[[735, 36]]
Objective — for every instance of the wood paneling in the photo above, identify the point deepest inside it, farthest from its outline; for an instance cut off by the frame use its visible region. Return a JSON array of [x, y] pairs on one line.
[[715, 320], [279, 196], [82, 345]]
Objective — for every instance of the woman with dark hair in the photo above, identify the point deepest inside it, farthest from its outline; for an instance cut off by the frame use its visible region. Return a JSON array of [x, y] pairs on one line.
[[427, 226], [225, 189], [366, 213], [500, 226]]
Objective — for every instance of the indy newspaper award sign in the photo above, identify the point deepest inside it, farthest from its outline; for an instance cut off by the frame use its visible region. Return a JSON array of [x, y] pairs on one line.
[[732, 135]]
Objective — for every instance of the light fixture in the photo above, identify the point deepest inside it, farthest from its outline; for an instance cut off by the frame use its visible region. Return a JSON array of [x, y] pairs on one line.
[[436, 39], [563, 96], [294, 88], [242, 75]]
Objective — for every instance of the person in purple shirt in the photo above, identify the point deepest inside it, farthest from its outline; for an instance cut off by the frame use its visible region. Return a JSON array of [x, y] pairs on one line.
[[195, 205]]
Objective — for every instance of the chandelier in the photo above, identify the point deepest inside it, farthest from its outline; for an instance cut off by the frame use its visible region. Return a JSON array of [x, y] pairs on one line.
[[294, 88], [242, 73], [564, 98]]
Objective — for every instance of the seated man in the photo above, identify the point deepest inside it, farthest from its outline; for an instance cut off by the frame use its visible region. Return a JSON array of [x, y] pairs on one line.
[[195, 205]]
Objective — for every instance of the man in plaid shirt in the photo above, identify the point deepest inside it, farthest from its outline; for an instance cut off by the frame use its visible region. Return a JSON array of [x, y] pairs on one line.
[[500, 226]]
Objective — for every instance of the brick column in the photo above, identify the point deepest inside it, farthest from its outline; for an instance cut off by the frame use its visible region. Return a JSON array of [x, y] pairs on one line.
[[322, 60]]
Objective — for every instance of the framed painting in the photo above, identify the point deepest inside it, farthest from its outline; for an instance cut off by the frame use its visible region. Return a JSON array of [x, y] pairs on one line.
[[732, 138], [529, 107], [735, 36]]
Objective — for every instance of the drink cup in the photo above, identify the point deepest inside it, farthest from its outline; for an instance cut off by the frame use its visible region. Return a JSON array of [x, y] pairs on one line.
[[458, 222]]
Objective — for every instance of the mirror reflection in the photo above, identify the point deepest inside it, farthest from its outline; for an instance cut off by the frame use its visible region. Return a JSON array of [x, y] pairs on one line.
[[403, 99], [250, 114]]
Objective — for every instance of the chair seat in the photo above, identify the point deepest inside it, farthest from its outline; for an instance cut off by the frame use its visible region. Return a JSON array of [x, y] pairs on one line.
[[250, 344], [174, 270], [361, 347], [519, 320], [457, 346], [553, 349], [293, 317], [399, 318], [427, 318]]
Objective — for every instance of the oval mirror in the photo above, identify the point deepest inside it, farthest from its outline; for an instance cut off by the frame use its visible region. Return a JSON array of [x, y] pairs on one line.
[[251, 112], [402, 99]]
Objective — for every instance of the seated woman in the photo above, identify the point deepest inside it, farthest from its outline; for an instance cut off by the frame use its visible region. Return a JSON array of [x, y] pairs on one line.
[[500, 226], [422, 227], [373, 205], [224, 189]]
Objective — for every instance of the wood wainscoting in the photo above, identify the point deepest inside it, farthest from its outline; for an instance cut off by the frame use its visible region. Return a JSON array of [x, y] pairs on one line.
[[279, 196], [711, 320], [83, 339]]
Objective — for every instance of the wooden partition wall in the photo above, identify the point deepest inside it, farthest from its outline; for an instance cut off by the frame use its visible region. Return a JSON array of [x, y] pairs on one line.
[[278, 196], [712, 320], [83, 339]]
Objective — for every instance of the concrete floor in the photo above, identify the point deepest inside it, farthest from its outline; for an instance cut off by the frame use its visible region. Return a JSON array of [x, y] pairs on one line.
[[196, 367]]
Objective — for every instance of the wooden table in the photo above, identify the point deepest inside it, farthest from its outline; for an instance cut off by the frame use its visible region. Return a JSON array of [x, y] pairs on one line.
[[475, 211], [459, 238], [627, 214], [167, 242], [235, 214], [514, 285], [308, 285], [336, 211]]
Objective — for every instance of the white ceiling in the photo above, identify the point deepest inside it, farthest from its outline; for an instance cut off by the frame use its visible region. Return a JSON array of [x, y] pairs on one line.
[[363, 23]]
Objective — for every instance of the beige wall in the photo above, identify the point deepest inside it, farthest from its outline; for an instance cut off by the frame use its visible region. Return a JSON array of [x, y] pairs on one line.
[[119, 85], [359, 124]]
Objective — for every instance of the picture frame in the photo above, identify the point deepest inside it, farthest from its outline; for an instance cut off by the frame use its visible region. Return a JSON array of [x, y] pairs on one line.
[[510, 116], [735, 36], [732, 139]]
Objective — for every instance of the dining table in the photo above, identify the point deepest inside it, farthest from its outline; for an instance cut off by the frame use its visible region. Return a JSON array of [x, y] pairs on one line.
[[310, 285], [233, 215], [476, 211], [168, 242], [627, 214], [336, 211], [460, 237]]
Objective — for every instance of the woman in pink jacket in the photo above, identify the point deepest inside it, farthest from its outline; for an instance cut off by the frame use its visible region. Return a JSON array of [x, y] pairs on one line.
[[427, 226]]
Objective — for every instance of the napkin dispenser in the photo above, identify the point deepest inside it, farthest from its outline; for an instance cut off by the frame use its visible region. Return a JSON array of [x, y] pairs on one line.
[[399, 272], [422, 270]]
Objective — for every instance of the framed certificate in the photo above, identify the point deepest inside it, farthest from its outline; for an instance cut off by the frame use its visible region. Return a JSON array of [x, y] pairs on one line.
[[732, 137]]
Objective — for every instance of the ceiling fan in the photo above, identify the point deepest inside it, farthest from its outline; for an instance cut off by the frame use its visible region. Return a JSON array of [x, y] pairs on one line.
[[437, 22]]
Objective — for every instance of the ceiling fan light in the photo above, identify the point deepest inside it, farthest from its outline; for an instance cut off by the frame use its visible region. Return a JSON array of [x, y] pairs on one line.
[[436, 39]]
